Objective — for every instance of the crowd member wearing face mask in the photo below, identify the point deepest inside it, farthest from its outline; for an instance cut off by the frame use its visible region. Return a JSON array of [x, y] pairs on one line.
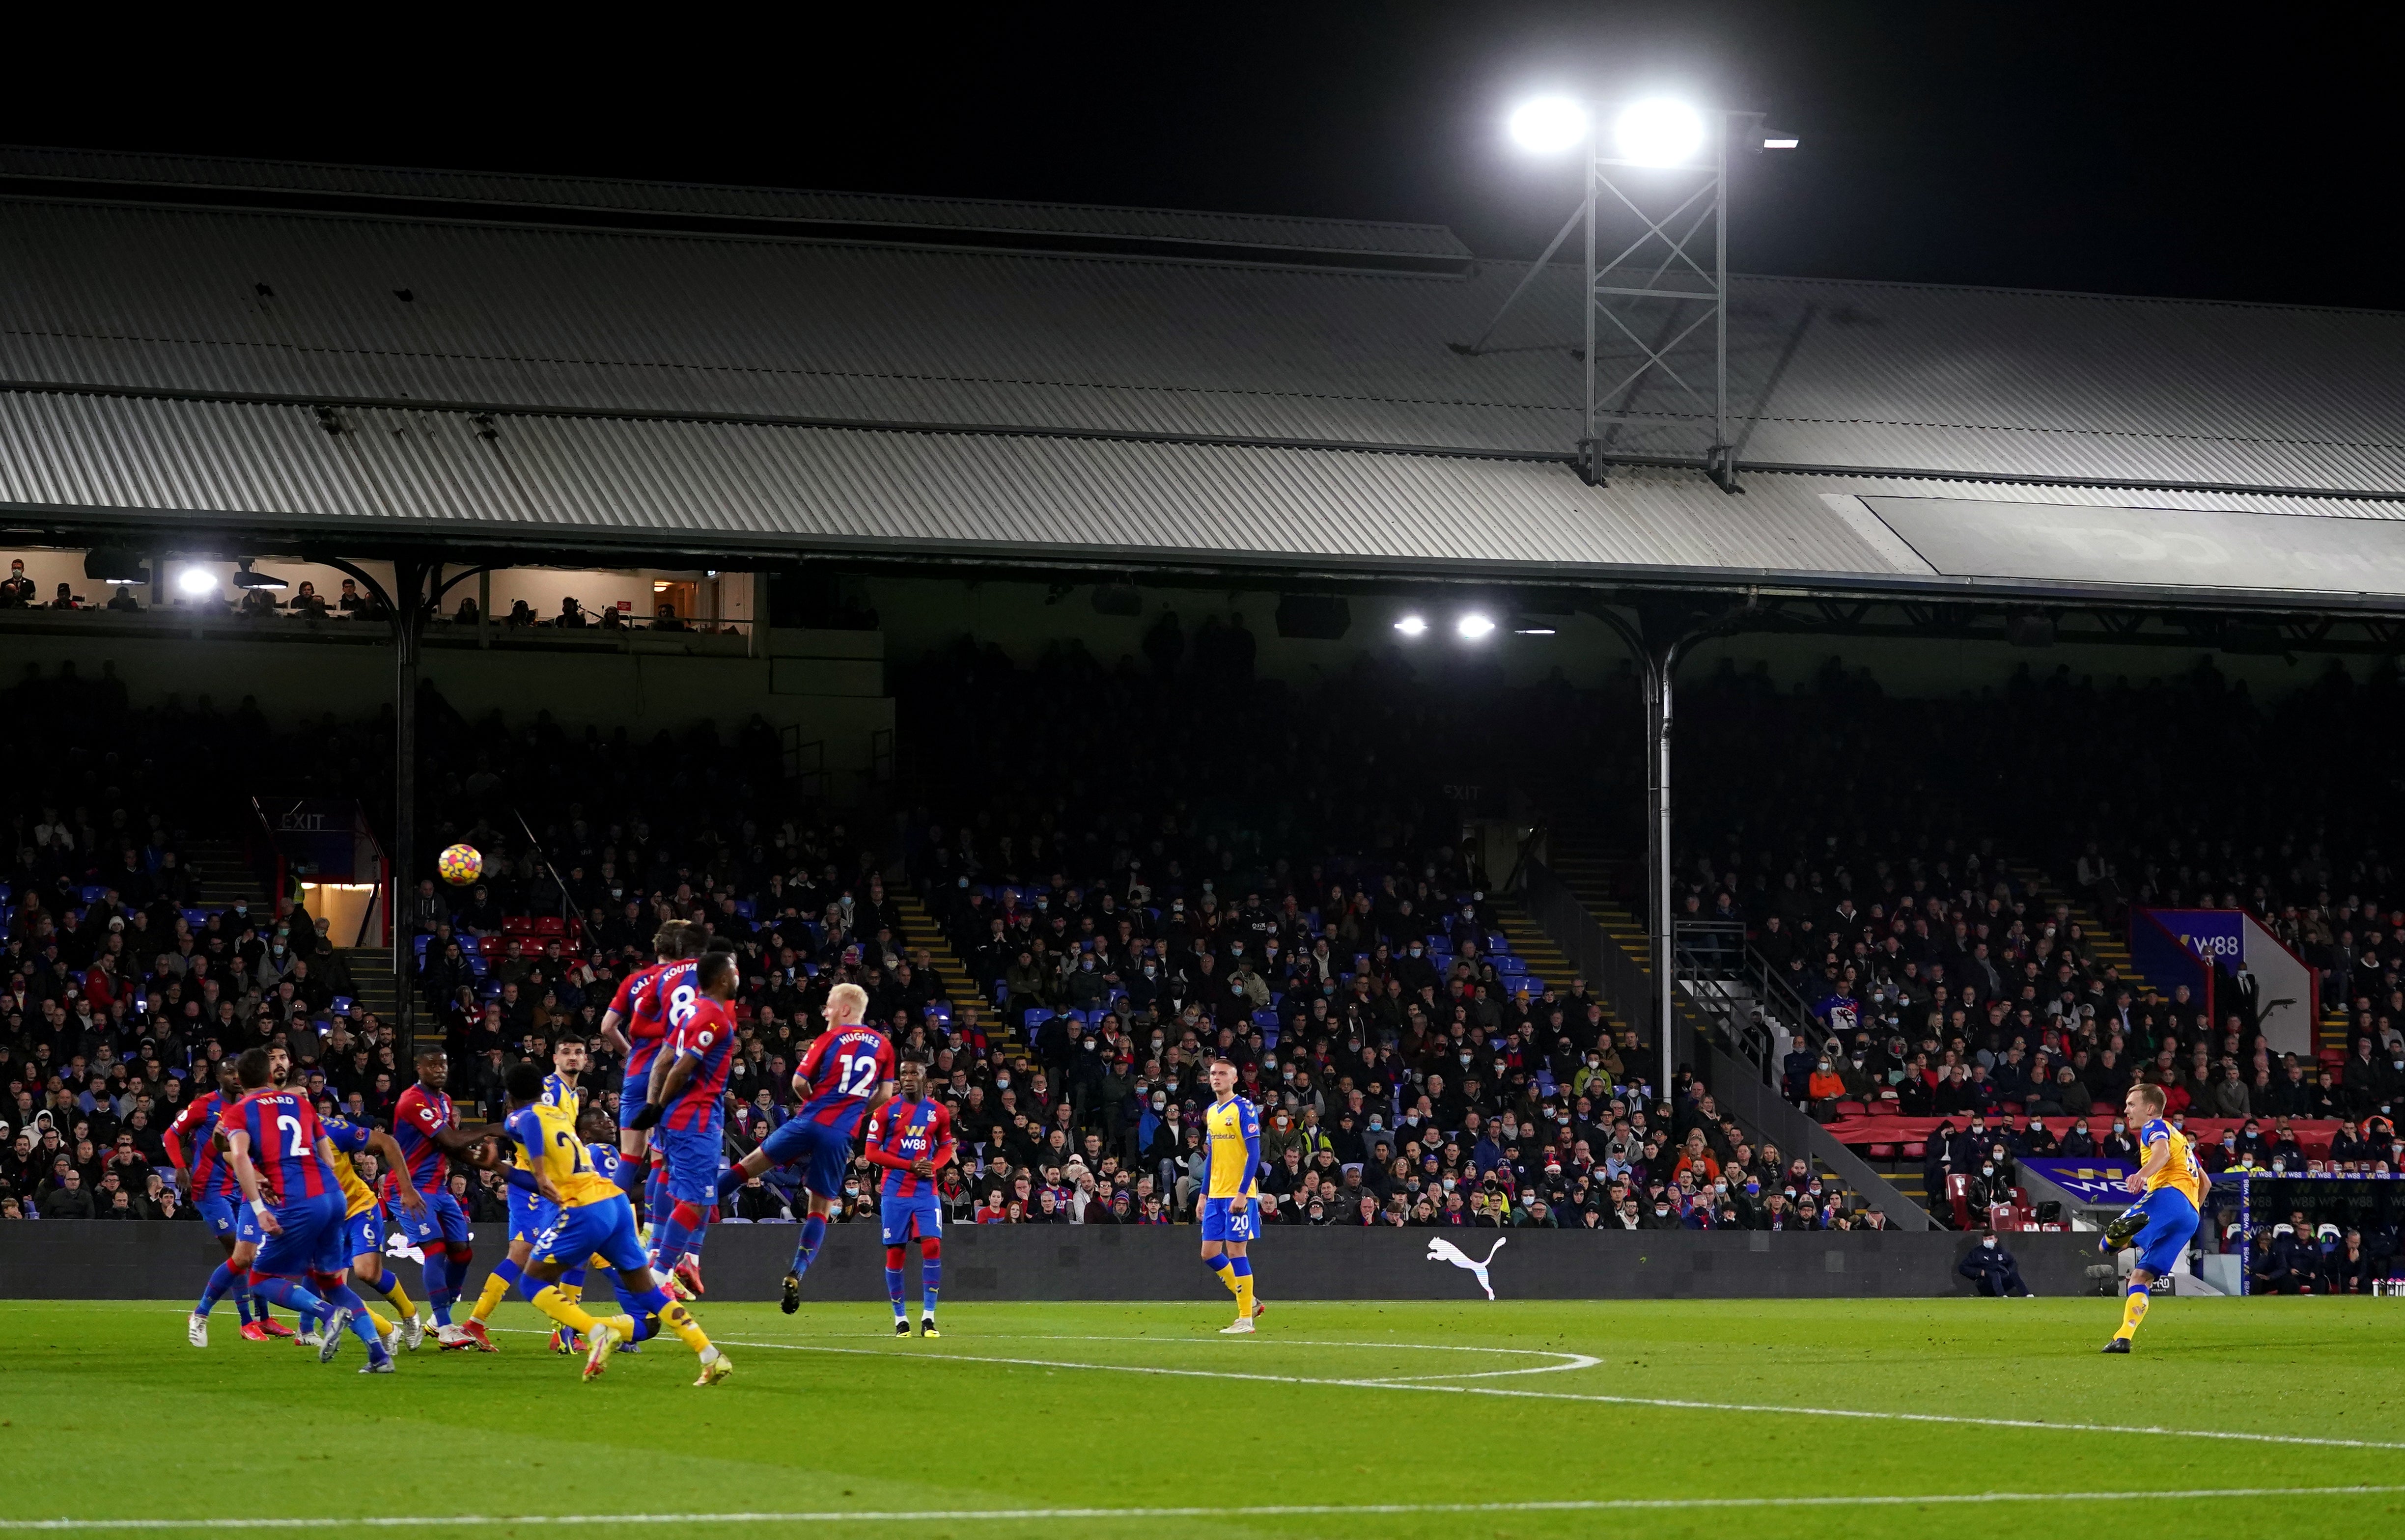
[[1992, 1268]]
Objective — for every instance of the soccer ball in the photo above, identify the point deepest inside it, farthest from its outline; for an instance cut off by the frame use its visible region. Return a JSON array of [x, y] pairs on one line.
[[461, 865]]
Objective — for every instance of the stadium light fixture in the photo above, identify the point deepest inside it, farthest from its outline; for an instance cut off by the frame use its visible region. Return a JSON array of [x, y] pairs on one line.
[[244, 578], [196, 581], [1781, 141], [1658, 132], [1413, 625], [1533, 631], [1548, 125], [1474, 626]]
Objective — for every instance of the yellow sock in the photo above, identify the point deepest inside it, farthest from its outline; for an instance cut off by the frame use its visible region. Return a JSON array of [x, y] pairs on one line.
[[2134, 1310], [558, 1306], [384, 1327], [575, 1292], [497, 1289], [396, 1295], [1224, 1273], [1245, 1297], [679, 1319]]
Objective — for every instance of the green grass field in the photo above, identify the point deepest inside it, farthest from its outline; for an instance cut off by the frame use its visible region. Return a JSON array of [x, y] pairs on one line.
[[1369, 1419]]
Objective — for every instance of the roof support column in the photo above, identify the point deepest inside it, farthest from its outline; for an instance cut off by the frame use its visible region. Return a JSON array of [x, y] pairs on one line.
[[411, 580]]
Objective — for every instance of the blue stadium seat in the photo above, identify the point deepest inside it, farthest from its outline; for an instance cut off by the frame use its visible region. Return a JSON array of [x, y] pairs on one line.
[[1033, 1018], [195, 918], [91, 892], [341, 1005], [1266, 1020], [1506, 963], [1535, 985], [1498, 942], [743, 907], [941, 1010]]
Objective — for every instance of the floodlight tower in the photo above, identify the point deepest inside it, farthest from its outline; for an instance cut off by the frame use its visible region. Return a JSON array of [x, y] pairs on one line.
[[1665, 163]]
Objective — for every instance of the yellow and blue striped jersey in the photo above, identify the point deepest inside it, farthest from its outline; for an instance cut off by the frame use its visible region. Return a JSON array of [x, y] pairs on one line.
[[348, 1139], [2182, 1173], [1235, 1139], [547, 1133], [561, 1092]]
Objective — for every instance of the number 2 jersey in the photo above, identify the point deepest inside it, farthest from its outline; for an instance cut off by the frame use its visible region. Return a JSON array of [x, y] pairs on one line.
[[845, 1066], [284, 1134]]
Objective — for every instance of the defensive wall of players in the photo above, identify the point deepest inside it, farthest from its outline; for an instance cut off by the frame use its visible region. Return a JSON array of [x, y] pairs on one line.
[[147, 1260]]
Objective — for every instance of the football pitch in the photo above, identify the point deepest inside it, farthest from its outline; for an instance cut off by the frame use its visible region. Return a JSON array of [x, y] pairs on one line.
[[1515, 1419]]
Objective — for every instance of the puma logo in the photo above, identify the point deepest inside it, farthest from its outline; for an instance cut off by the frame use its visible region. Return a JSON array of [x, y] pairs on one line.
[[1442, 1250]]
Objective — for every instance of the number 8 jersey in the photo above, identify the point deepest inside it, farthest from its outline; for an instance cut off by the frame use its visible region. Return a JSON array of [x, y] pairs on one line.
[[845, 1067]]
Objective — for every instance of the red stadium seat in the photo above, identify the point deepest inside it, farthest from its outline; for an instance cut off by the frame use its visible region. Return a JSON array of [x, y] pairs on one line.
[[490, 947], [1882, 1152], [1915, 1150], [550, 925], [512, 925], [1852, 1109], [1957, 1196]]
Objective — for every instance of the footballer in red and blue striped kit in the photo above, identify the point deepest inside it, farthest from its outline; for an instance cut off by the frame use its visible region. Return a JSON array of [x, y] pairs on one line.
[[687, 1102], [644, 1011], [847, 1074], [425, 1126], [911, 1137], [285, 1167]]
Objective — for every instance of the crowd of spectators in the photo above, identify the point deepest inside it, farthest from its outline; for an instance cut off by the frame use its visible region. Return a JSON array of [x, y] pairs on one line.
[[1308, 915]]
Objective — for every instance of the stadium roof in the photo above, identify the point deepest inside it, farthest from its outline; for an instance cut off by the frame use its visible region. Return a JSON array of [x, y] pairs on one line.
[[562, 363]]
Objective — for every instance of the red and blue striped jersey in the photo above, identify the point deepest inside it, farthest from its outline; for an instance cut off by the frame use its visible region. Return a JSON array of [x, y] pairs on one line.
[[707, 1036], [653, 1001], [845, 1067], [195, 1134], [416, 1118], [284, 1135], [905, 1131]]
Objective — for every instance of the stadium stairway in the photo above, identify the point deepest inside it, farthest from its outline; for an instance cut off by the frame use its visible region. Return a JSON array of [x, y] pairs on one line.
[[2104, 943], [1536, 949], [1582, 859], [221, 876], [372, 981], [954, 979]]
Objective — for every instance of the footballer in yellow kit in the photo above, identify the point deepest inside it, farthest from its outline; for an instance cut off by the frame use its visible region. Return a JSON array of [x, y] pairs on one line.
[[2160, 1223], [1230, 1213]]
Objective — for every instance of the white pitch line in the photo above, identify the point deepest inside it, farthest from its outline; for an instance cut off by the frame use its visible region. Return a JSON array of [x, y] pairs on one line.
[[1289, 1510], [1669, 1403]]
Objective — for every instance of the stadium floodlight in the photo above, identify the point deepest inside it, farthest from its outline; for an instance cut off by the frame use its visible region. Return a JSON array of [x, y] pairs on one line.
[[1781, 141], [1548, 125], [1659, 131], [196, 581], [1474, 626], [1413, 625], [1533, 631]]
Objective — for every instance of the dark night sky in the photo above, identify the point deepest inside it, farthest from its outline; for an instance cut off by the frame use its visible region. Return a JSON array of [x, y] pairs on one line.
[[1989, 144]]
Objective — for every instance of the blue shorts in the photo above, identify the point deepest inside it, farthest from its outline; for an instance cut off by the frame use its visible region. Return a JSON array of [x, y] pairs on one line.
[[362, 1236], [605, 1229], [2170, 1223], [822, 1149], [444, 1221], [692, 1162], [228, 1214], [900, 1214], [309, 1230], [1236, 1219], [635, 1091], [530, 1214]]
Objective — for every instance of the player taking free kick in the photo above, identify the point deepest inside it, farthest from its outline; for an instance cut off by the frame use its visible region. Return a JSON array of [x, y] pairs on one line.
[[2161, 1221], [1230, 1213]]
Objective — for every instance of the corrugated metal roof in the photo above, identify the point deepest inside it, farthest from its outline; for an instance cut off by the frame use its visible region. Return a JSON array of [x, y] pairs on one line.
[[1266, 232], [1981, 383], [548, 481]]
